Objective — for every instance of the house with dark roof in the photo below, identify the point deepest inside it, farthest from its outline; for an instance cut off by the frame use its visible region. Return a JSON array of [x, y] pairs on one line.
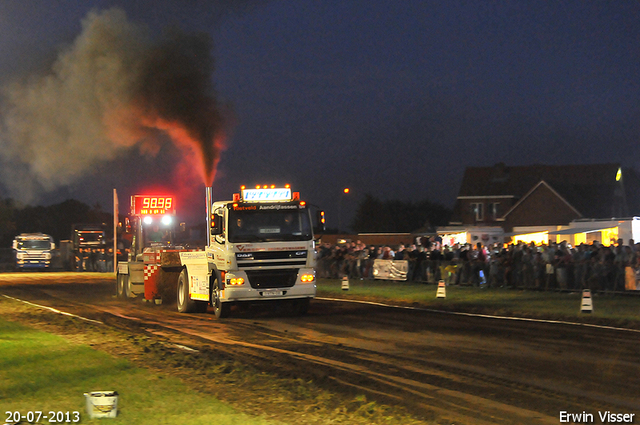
[[539, 195]]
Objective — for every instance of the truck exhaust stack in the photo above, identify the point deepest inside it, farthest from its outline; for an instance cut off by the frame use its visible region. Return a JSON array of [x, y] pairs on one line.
[[208, 195]]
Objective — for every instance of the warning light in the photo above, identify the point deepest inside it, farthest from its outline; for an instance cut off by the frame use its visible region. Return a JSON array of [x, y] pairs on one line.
[[321, 221]]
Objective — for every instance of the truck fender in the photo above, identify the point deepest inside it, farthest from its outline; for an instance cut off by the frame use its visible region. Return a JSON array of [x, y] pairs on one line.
[[123, 268], [196, 262]]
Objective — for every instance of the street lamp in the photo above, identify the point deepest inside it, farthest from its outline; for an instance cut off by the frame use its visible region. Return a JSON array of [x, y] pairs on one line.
[[345, 191]]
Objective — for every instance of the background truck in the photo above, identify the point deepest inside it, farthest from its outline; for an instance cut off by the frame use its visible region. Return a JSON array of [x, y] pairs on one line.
[[88, 236], [85, 239], [33, 251], [260, 248]]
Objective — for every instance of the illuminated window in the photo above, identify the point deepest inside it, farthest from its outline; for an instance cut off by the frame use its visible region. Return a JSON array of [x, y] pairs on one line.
[[609, 236], [494, 210], [579, 238], [537, 238], [477, 209]]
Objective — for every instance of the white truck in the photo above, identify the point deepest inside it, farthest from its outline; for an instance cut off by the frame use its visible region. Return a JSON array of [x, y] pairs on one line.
[[260, 247], [33, 251]]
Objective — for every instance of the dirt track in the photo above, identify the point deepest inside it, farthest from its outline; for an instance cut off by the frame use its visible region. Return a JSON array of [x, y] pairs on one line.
[[442, 367]]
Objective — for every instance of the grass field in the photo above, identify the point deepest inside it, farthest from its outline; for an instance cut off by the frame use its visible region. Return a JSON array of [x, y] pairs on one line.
[[618, 310], [43, 372]]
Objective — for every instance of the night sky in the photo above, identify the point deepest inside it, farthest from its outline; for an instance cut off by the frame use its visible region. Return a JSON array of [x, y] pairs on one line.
[[392, 98]]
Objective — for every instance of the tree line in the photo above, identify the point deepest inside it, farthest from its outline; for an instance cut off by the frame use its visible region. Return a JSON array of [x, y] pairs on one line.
[[55, 220], [394, 216]]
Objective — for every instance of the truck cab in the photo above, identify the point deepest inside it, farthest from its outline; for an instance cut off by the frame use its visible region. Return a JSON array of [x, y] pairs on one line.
[[33, 251], [260, 249]]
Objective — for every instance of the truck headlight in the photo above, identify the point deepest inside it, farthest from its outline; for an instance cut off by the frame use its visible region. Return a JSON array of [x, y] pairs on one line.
[[20, 256], [308, 277], [47, 255], [235, 281]]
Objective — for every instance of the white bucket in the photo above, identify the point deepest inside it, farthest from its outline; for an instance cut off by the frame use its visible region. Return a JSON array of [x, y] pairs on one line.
[[102, 404]]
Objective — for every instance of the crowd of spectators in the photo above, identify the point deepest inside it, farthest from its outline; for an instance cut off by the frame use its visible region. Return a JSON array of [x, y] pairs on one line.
[[556, 266], [94, 260]]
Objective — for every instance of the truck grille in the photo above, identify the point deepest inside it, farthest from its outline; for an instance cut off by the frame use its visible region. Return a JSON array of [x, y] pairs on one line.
[[261, 279], [271, 259]]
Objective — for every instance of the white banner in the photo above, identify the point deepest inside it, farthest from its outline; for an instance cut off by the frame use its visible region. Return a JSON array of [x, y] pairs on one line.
[[390, 269]]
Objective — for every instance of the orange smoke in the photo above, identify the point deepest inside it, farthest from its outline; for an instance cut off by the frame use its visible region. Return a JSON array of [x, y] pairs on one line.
[[203, 155]]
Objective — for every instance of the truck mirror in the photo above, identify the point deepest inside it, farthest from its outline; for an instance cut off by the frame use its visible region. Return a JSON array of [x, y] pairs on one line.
[[53, 246], [216, 224], [15, 245]]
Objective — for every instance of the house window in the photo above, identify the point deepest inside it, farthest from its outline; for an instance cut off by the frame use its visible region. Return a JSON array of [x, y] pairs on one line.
[[477, 209], [494, 210]]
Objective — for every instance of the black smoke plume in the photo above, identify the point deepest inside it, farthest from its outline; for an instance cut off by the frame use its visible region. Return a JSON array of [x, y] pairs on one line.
[[113, 89]]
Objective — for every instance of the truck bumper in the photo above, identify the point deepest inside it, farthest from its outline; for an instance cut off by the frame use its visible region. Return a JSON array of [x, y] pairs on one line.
[[33, 265], [246, 292], [306, 290]]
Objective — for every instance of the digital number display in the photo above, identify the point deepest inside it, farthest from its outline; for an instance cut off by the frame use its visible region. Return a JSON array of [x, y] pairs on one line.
[[266, 195], [152, 205]]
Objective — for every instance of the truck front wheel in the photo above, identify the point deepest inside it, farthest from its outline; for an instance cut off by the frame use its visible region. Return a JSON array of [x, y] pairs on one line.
[[221, 309], [185, 304], [184, 301], [120, 286]]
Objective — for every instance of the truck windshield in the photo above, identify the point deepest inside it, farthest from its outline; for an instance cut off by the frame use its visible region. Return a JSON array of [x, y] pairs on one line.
[[34, 244], [90, 236], [262, 224]]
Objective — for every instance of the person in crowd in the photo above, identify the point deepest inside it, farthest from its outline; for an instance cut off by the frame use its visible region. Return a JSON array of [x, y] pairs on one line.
[[411, 255], [387, 253], [399, 255]]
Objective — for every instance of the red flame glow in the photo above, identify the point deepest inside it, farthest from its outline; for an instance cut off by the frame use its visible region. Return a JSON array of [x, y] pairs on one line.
[[202, 156]]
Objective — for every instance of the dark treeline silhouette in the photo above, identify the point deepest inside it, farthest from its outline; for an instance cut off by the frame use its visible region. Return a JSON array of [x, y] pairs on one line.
[[392, 216], [55, 220]]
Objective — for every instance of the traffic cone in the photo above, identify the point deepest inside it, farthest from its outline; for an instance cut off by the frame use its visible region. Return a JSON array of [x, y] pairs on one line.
[[442, 290], [345, 283], [587, 303]]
